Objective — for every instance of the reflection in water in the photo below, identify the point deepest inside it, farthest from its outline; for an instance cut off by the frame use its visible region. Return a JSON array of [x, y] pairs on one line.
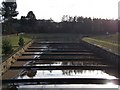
[[50, 64], [67, 74], [81, 63], [27, 74], [70, 74], [67, 57], [86, 86], [10, 87], [65, 63], [31, 73]]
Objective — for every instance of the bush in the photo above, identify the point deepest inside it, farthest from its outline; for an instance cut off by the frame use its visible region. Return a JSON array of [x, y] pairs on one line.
[[6, 47], [21, 41]]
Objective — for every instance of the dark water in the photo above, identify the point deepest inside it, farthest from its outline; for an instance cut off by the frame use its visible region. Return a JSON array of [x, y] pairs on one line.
[[65, 74]]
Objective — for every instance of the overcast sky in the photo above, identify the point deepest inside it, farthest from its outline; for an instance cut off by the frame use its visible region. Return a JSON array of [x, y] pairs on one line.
[[55, 9]]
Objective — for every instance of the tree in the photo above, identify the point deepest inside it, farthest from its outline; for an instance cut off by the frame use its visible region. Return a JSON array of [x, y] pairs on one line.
[[6, 47], [29, 21], [21, 41], [31, 16], [9, 10]]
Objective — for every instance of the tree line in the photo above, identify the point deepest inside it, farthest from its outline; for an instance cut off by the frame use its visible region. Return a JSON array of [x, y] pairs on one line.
[[82, 25], [68, 24]]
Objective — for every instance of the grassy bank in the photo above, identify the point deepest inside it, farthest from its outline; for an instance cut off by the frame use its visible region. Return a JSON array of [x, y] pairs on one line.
[[108, 42], [14, 39]]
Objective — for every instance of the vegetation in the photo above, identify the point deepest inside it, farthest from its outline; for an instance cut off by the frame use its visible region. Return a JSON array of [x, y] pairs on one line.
[[68, 24], [14, 39], [6, 47], [81, 25], [108, 42], [8, 11], [11, 44], [31, 15], [21, 41]]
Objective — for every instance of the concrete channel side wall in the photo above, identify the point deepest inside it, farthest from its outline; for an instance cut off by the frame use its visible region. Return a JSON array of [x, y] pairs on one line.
[[8, 62], [108, 56]]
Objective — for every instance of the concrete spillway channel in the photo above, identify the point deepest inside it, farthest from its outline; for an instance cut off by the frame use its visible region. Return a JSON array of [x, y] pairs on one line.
[[55, 63]]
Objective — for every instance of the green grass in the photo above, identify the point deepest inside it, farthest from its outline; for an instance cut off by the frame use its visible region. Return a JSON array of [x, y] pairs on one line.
[[113, 38], [14, 40], [108, 42]]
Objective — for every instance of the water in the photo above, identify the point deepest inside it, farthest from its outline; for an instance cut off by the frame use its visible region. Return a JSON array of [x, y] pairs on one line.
[[110, 86], [64, 63], [69, 74], [64, 74]]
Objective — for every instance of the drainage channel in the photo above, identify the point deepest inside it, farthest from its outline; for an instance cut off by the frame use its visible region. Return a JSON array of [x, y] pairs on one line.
[[62, 63]]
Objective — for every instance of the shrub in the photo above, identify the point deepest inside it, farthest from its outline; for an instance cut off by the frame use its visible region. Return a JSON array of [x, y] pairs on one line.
[[6, 47], [21, 41]]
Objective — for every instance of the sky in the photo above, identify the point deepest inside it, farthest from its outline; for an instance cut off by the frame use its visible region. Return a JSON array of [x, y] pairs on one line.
[[55, 9]]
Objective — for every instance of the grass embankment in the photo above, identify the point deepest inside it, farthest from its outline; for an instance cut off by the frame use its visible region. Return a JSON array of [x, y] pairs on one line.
[[14, 39], [108, 42]]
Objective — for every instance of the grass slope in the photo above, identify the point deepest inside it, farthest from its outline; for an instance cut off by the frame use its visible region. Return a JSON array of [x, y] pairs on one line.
[[14, 40], [108, 42]]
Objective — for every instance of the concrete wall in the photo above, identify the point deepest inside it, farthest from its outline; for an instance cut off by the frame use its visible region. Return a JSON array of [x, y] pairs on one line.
[[10, 60], [109, 57]]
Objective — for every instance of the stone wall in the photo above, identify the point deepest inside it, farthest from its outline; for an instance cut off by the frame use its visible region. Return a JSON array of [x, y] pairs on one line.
[[11, 59]]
